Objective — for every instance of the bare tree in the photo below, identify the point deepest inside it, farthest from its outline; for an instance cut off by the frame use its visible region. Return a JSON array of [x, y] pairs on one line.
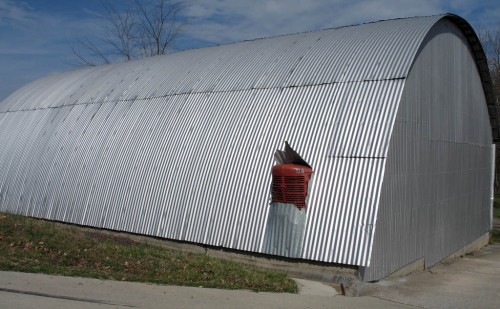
[[142, 28], [490, 39], [158, 26]]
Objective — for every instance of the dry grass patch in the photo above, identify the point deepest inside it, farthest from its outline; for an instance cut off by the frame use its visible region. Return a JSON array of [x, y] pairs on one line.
[[39, 246]]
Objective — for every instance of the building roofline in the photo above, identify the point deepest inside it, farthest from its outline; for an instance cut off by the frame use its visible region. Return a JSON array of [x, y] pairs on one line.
[[483, 69]]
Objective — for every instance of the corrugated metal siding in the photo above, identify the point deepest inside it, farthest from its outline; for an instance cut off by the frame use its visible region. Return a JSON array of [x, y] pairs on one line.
[[375, 51], [181, 146], [284, 233], [437, 184], [196, 167]]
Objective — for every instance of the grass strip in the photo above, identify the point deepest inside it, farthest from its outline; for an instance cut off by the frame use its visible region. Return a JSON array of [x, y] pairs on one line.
[[39, 246], [495, 236]]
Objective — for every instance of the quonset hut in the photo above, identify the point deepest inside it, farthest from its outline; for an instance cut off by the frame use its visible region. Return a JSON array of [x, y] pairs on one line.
[[395, 117]]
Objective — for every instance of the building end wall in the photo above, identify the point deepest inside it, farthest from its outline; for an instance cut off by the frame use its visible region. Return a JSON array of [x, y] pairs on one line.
[[436, 193]]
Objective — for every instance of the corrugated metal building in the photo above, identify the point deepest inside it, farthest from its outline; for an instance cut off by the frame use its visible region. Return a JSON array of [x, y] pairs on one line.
[[396, 118]]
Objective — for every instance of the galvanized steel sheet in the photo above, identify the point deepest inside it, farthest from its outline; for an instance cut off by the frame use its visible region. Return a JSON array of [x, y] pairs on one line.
[[181, 146], [437, 183]]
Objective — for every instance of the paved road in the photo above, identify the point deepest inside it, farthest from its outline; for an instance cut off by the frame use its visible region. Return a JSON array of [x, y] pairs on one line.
[[470, 282]]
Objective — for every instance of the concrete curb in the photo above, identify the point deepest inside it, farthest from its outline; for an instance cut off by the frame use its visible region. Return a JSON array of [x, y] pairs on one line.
[[308, 287]]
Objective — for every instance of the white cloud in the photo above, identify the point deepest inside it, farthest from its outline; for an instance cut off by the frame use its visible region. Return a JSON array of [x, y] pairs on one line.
[[484, 12], [11, 11], [34, 42], [42, 30], [24, 30], [222, 21]]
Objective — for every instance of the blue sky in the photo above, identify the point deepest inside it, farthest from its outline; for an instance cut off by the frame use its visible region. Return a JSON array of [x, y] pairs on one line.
[[35, 34]]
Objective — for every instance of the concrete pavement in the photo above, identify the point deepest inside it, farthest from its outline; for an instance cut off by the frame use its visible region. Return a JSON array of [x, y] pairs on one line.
[[472, 281], [22, 290]]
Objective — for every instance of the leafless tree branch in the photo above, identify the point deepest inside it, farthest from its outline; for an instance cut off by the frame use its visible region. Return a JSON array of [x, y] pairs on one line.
[[490, 39], [143, 28]]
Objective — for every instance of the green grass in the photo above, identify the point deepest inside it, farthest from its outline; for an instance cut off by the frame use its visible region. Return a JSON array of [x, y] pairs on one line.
[[496, 206], [39, 246], [495, 236], [495, 233], [496, 212]]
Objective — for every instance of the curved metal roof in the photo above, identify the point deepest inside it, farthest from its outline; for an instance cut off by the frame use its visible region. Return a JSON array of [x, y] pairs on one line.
[[484, 72], [181, 146], [375, 51]]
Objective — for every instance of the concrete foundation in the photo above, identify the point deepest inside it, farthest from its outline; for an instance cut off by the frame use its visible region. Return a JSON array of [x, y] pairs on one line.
[[419, 265], [324, 272], [298, 268]]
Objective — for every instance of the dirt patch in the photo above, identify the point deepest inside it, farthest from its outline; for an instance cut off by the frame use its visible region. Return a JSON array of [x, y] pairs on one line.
[[120, 239]]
